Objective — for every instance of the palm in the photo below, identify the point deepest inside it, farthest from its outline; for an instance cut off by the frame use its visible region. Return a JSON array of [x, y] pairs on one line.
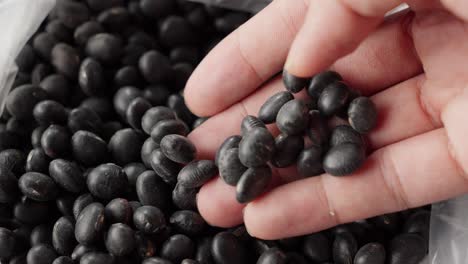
[[416, 80]]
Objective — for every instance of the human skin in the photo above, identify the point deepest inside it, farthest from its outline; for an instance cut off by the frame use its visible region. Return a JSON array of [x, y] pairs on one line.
[[412, 65]]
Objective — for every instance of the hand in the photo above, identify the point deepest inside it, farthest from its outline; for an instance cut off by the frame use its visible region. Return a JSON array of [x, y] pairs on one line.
[[414, 66]]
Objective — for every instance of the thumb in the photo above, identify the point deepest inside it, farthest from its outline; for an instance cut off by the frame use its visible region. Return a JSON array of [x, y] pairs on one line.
[[332, 29]]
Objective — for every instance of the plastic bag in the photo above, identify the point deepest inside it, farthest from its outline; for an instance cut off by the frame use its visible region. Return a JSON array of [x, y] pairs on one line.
[[20, 19]]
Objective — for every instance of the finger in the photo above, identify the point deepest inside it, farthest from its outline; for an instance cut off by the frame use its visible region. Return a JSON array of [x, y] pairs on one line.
[[457, 7], [214, 79], [245, 59], [331, 30], [407, 174]]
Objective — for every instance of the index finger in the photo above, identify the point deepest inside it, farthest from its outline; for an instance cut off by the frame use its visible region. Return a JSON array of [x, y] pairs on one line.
[[245, 59]]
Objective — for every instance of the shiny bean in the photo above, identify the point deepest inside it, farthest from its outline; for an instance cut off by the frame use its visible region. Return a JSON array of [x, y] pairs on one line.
[[272, 106]]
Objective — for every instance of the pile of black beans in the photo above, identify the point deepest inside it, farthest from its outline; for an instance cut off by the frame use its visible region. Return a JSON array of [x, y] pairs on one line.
[[95, 166]]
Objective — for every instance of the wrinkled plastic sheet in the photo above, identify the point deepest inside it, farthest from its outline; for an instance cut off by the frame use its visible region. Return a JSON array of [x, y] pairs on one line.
[[19, 20]]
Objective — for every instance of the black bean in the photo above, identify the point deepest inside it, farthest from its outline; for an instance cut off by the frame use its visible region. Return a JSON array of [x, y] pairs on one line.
[[133, 170], [317, 247], [120, 240], [21, 79], [189, 261], [154, 66], [104, 47], [145, 247], [344, 159], [297, 258], [36, 136], [226, 248], [110, 128], [293, 83], [176, 31], [66, 60], [178, 148], [65, 204], [41, 254], [143, 39], [146, 151], [155, 9], [230, 166], [250, 122], [57, 29], [293, 117], [21, 101], [154, 115], [181, 72], [9, 191], [84, 119], [7, 243], [253, 183], [38, 186], [26, 59], [333, 98], [41, 234], [67, 174], [89, 149], [123, 97], [287, 150], [164, 167], [151, 190], [155, 260], [272, 256], [57, 88], [10, 140], [97, 258], [184, 198], [85, 31], [177, 248], [81, 202], [99, 5], [125, 146], [72, 14], [370, 253], [135, 111], [309, 162], [50, 112], [101, 106], [127, 76], [188, 54], [187, 222], [318, 131], [362, 114], [43, 44], [272, 106], [256, 147], [115, 18], [203, 254], [418, 223], [406, 248], [81, 250], [13, 160], [22, 235], [118, 211], [149, 219], [63, 260], [198, 122], [107, 181], [344, 248], [132, 53], [63, 237], [37, 161], [91, 77], [345, 134], [230, 21], [320, 81], [55, 141], [197, 173], [40, 72], [156, 95], [31, 212], [177, 103], [198, 17], [90, 224]]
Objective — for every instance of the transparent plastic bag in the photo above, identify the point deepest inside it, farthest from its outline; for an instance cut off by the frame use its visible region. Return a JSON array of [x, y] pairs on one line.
[[19, 20]]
